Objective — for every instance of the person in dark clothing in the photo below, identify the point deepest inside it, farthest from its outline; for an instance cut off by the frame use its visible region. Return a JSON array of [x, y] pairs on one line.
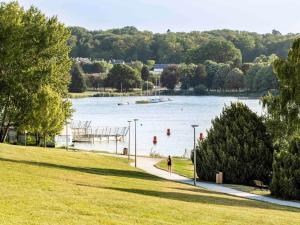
[[169, 162]]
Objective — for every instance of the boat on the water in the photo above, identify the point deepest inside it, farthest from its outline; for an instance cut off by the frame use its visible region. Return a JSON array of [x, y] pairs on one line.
[[123, 103], [153, 100]]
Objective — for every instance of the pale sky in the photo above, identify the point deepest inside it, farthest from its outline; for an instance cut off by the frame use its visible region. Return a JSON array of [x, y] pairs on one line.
[[188, 15]]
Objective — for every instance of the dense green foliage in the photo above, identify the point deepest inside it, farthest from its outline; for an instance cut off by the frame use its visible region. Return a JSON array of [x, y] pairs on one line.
[[170, 77], [238, 145], [283, 121], [77, 84], [123, 77], [129, 44], [259, 75], [286, 171], [34, 56], [145, 74], [147, 85], [216, 50]]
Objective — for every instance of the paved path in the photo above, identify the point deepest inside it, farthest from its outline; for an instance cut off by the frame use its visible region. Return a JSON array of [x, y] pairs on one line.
[[147, 164]]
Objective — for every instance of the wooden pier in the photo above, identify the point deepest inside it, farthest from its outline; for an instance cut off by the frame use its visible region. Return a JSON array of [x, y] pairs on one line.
[[82, 131]]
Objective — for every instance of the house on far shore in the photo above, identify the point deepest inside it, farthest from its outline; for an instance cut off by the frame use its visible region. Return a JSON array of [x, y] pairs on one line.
[[116, 61], [83, 60], [159, 68]]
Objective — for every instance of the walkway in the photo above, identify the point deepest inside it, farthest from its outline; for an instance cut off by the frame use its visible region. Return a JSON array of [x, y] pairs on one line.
[[147, 164]]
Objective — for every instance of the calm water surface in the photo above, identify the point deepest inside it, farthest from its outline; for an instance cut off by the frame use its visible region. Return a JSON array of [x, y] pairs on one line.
[[154, 120]]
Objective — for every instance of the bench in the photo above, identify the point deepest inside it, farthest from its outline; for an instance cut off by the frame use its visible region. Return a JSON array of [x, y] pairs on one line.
[[259, 184]]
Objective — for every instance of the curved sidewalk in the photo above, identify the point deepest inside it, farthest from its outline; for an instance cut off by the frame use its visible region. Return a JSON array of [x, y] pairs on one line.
[[147, 164]]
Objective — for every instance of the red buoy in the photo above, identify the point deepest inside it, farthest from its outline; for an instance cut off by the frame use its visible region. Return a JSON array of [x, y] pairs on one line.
[[155, 140], [168, 132], [201, 137]]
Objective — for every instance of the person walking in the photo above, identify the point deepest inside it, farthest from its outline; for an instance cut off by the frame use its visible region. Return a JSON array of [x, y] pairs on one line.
[[169, 162]]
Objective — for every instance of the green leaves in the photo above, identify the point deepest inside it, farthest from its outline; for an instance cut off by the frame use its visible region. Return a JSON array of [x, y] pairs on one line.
[[33, 54], [238, 145]]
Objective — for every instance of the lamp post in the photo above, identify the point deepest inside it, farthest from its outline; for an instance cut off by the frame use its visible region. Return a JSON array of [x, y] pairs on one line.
[[194, 127], [25, 141], [116, 144], [129, 126], [67, 134], [135, 120]]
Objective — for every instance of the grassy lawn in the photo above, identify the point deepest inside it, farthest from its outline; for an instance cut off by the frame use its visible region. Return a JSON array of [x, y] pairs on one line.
[[180, 166], [52, 186], [82, 95]]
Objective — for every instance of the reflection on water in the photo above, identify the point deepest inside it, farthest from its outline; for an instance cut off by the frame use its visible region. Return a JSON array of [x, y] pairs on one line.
[[154, 120]]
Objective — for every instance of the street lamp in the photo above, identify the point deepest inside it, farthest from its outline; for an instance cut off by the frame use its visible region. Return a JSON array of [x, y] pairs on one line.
[[194, 127], [129, 126], [116, 144], [25, 141], [135, 141], [67, 136]]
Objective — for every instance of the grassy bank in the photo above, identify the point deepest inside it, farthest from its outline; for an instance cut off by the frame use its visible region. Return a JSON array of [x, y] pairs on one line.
[[52, 186]]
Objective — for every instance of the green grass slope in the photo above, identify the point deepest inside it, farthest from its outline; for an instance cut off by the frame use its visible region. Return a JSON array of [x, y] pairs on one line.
[[49, 186]]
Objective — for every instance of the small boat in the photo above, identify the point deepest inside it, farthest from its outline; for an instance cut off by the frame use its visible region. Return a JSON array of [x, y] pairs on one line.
[[123, 103], [153, 100]]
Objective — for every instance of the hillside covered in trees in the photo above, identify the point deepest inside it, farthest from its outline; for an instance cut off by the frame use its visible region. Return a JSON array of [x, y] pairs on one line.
[[130, 44]]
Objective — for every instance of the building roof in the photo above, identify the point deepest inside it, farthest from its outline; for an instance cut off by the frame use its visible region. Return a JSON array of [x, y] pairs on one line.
[[160, 66]]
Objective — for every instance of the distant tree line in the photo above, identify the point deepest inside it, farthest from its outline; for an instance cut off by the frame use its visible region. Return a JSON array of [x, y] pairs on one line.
[[220, 46], [254, 77]]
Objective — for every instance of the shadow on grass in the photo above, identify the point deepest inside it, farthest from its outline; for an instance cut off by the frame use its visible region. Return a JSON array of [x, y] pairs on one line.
[[97, 171], [205, 197]]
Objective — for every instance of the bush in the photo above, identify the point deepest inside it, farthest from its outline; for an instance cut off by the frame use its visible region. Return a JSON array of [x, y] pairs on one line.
[[148, 85], [238, 145], [286, 171], [200, 89]]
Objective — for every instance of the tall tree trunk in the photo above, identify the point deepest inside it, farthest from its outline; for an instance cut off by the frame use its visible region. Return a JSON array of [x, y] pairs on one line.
[[3, 133]]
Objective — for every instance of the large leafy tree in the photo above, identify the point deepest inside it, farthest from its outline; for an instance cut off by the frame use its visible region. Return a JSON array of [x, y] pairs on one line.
[[123, 77], [33, 52], [78, 84], [234, 80], [170, 77], [216, 50], [239, 145], [145, 74], [49, 112], [284, 122]]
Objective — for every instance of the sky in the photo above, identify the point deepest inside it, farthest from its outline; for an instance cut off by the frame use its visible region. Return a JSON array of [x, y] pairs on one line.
[[260, 16]]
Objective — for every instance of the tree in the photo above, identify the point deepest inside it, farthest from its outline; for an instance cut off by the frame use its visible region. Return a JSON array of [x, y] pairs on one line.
[[170, 77], [216, 50], [77, 84], [145, 73], [34, 53], [219, 80], [123, 77], [200, 89], [49, 113], [211, 69], [286, 171], [234, 80], [200, 76], [283, 122], [187, 74], [239, 145], [147, 85]]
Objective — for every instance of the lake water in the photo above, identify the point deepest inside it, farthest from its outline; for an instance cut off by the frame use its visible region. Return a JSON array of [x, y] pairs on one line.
[[154, 120]]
